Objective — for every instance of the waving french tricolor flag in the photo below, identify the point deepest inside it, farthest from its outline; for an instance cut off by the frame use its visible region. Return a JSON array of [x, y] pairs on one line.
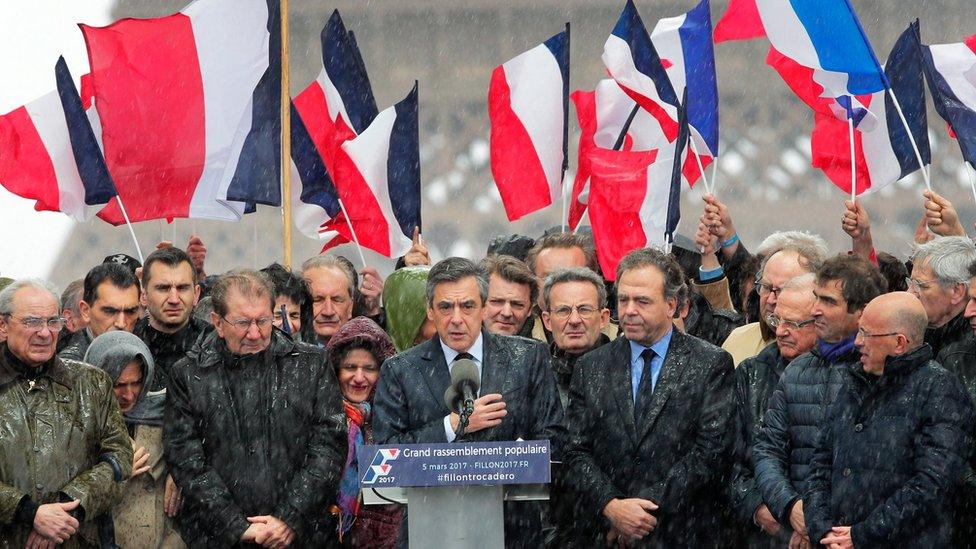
[[951, 73], [631, 59], [189, 107], [825, 35], [528, 107], [333, 109], [883, 150], [49, 153], [377, 175], [741, 21], [806, 84]]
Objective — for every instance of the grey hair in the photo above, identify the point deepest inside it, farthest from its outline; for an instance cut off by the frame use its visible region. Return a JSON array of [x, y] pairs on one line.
[[795, 240], [71, 296], [802, 284], [336, 262], [948, 257], [574, 274], [248, 282], [7, 294], [668, 266], [453, 269]]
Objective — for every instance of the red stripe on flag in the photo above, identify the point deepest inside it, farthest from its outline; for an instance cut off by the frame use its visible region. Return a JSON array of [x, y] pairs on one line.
[[365, 213], [149, 95], [585, 102], [971, 43], [740, 22], [25, 165], [618, 185], [328, 136], [668, 125], [516, 167], [690, 169], [831, 147]]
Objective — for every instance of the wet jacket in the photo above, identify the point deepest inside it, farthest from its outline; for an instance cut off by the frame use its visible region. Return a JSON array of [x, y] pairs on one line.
[[62, 439], [260, 434], [791, 428], [893, 448], [563, 366], [77, 345], [755, 380], [168, 349], [940, 339], [140, 519], [712, 325]]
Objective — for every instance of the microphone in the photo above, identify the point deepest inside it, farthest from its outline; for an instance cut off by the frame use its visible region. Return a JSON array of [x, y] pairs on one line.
[[465, 382]]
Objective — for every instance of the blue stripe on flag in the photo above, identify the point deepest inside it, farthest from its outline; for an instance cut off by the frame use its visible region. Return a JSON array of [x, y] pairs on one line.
[[403, 165], [630, 28], [99, 187], [699, 53], [558, 45], [951, 109], [841, 43], [317, 186], [344, 64], [904, 70], [674, 195]]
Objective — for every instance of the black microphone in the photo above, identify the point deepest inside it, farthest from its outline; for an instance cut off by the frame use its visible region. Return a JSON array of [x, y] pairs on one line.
[[465, 383]]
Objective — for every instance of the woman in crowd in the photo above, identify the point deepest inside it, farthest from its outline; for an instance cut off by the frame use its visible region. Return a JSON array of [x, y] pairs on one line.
[[150, 498], [356, 352]]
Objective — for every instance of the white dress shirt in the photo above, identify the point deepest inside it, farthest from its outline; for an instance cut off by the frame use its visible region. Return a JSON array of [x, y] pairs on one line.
[[476, 351]]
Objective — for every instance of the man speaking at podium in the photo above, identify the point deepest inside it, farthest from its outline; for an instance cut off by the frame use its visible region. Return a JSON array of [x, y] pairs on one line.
[[517, 397]]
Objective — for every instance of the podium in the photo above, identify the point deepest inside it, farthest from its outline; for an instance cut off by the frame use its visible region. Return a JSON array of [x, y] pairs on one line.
[[455, 492]]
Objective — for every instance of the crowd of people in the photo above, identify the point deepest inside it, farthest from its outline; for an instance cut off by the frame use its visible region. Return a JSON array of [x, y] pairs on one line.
[[708, 397]]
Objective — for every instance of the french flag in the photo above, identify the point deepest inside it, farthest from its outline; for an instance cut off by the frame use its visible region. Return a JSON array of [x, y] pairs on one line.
[[50, 154], [951, 73], [634, 199], [336, 107], [631, 59], [740, 22], [189, 108], [377, 176], [684, 43], [805, 82], [528, 108], [883, 150]]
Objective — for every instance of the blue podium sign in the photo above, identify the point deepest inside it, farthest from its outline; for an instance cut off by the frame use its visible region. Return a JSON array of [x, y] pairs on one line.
[[454, 464]]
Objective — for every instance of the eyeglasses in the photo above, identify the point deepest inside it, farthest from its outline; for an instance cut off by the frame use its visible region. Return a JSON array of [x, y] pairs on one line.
[[865, 335], [918, 284], [563, 312], [34, 323], [244, 324], [765, 288], [775, 322]]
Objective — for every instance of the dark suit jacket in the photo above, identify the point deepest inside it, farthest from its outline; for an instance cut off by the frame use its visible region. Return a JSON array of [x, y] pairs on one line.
[[677, 458], [409, 406]]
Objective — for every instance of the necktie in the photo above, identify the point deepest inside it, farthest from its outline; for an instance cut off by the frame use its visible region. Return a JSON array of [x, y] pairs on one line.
[[466, 355], [642, 402]]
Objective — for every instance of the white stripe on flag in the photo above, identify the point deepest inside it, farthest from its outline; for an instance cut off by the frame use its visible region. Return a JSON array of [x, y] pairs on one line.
[[619, 61], [333, 100], [667, 42], [654, 209], [883, 165], [47, 113], [956, 62]]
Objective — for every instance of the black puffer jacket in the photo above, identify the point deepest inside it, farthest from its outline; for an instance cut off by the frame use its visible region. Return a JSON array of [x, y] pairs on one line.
[[168, 349], [755, 380], [940, 339], [892, 450], [76, 346], [260, 434], [791, 428]]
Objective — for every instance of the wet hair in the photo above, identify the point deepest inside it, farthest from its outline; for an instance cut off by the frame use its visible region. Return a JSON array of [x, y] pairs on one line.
[[665, 263], [574, 274], [454, 269], [113, 273], [582, 241], [287, 283], [7, 294], [71, 296], [894, 272], [813, 244], [247, 282], [511, 270], [335, 262], [860, 280], [809, 256], [171, 257], [948, 257]]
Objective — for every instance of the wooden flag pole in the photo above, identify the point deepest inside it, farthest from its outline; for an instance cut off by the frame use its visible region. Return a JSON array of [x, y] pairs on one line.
[[850, 134], [285, 137]]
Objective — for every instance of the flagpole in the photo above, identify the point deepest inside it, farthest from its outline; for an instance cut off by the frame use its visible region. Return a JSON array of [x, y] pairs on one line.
[[701, 168], [850, 134], [128, 224], [563, 221], [911, 137], [586, 214], [714, 173], [623, 131], [352, 230], [285, 137], [972, 177]]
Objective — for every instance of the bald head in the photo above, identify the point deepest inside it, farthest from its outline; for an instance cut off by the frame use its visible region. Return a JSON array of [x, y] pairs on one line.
[[892, 324]]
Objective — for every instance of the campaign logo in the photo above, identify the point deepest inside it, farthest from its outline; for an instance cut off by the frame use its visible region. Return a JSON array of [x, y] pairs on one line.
[[381, 464]]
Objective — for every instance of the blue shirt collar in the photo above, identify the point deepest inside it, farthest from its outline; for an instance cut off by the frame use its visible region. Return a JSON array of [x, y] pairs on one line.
[[660, 346]]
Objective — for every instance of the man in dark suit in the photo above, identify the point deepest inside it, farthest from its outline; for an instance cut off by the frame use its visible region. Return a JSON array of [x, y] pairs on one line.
[[518, 396], [649, 420]]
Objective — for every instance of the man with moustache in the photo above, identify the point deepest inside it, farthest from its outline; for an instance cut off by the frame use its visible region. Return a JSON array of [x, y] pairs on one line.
[[755, 380], [332, 285], [844, 285]]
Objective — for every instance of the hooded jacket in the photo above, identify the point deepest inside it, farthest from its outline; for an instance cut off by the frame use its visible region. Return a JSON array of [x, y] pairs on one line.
[[405, 304]]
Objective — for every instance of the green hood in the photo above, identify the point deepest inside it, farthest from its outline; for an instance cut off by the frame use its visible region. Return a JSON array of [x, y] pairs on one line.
[[405, 302]]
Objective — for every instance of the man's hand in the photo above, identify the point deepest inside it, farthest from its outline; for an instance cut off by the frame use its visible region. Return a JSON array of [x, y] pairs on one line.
[[798, 541], [198, 255], [765, 520], [839, 537], [54, 523], [274, 533], [941, 216], [857, 223], [172, 499], [488, 412], [417, 254], [707, 244], [796, 518], [371, 288], [140, 459], [632, 517], [719, 222], [37, 541]]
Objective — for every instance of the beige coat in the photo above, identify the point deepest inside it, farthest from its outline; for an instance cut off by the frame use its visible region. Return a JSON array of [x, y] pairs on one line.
[[745, 342], [140, 519]]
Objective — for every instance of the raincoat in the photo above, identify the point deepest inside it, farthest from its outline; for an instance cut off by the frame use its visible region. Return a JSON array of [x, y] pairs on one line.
[[960, 359], [259, 434], [62, 439], [405, 304]]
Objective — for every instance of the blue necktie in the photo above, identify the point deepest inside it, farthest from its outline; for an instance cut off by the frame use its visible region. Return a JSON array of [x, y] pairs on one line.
[[645, 388]]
